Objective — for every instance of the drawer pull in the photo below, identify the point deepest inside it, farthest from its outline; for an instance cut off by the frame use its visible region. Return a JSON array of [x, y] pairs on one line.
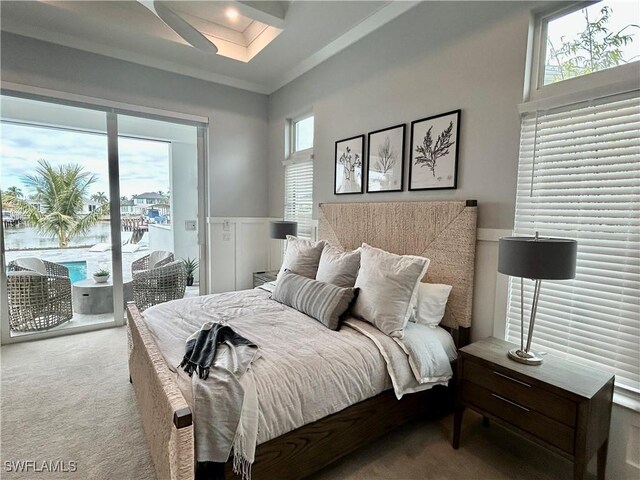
[[510, 402], [512, 379]]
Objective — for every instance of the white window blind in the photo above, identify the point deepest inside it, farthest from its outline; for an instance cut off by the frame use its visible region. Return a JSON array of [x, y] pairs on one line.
[[579, 177], [298, 195]]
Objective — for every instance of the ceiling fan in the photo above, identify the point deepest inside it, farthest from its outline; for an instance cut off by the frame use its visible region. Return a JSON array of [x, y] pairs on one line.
[[179, 25]]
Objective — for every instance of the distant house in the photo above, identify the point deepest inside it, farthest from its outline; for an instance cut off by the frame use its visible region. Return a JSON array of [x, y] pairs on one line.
[[148, 198], [128, 207], [89, 207], [163, 208]]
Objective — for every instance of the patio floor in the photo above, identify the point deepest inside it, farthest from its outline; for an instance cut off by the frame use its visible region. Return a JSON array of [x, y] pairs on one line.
[[95, 260]]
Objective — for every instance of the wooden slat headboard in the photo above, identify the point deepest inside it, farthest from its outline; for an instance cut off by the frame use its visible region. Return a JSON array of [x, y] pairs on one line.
[[444, 232]]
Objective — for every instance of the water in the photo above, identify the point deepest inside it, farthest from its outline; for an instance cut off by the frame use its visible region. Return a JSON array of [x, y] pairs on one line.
[[77, 270], [28, 237]]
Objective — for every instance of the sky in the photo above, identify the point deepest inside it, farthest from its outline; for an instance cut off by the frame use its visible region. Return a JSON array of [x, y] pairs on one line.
[[144, 164], [623, 14]]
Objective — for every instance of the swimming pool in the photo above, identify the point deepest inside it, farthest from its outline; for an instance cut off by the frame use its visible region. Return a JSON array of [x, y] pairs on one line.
[[77, 270]]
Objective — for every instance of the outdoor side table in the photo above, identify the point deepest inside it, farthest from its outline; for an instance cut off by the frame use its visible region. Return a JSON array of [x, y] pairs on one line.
[[90, 297]]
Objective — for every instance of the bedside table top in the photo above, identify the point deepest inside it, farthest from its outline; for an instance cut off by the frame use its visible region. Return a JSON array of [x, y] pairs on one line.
[[564, 374], [269, 274]]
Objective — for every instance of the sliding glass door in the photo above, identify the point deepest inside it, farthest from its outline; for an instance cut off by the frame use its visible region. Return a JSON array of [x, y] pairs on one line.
[[55, 211], [158, 169], [91, 201]]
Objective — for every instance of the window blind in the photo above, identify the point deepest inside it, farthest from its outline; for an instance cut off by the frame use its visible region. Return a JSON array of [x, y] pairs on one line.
[[579, 177], [298, 195]]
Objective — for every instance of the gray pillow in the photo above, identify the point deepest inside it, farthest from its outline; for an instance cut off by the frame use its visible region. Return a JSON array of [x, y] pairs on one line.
[[301, 256], [388, 286], [322, 301], [338, 267]]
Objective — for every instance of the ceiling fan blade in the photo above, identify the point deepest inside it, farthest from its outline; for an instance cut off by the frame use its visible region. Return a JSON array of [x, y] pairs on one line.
[[179, 25]]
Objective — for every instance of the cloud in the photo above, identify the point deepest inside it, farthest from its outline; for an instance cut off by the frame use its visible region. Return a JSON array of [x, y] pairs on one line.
[[144, 164]]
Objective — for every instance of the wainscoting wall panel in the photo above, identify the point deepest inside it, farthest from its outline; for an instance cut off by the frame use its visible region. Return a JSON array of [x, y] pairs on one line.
[[238, 247]]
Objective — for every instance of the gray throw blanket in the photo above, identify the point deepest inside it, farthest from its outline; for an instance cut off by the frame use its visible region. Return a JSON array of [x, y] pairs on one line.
[[225, 399], [202, 347]]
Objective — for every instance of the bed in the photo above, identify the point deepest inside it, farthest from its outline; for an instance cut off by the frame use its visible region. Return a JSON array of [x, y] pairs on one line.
[[445, 232]]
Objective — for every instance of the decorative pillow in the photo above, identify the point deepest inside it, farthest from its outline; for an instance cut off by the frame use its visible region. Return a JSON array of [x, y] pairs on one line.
[[302, 256], [428, 352], [322, 301], [432, 301], [388, 286], [338, 267]]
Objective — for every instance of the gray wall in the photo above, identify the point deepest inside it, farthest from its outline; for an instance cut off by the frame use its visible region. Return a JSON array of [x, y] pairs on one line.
[[437, 57], [238, 119]]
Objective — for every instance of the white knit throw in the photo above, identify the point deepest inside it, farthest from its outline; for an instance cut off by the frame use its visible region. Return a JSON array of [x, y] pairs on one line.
[[244, 443]]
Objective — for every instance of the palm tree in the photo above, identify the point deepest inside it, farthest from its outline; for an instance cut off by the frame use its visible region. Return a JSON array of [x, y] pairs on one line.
[[60, 193], [14, 192], [99, 197], [7, 200]]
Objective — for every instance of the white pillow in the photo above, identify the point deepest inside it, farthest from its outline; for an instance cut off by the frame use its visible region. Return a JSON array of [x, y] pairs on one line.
[[432, 301], [338, 267], [429, 352], [388, 284], [302, 256]]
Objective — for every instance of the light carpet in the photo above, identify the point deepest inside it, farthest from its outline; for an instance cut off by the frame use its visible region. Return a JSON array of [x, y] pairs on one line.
[[69, 399]]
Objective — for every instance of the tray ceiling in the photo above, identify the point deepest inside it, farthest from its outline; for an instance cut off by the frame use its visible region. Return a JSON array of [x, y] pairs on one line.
[[261, 45]]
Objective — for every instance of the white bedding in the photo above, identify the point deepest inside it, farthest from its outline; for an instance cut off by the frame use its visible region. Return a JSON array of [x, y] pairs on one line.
[[305, 371]]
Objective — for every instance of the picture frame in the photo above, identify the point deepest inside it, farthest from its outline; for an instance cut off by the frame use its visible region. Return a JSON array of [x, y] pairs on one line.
[[349, 166], [385, 161], [435, 145]]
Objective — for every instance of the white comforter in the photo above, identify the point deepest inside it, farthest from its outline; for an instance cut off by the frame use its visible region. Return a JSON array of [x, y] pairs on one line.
[[305, 371]]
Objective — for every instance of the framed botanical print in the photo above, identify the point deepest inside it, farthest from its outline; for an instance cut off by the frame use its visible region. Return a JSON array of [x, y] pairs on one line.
[[435, 143], [348, 168], [385, 165]]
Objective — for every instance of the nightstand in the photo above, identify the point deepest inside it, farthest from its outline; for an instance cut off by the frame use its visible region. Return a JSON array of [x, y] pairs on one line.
[[560, 405], [263, 277]]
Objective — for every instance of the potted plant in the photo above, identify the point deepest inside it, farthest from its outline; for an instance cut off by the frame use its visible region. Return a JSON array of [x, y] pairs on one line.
[[101, 275], [190, 265]]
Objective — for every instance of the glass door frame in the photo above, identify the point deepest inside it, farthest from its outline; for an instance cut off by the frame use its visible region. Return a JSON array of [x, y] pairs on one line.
[[111, 111]]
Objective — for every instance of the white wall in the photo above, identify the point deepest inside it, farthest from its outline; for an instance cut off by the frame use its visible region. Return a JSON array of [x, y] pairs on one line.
[[161, 238], [239, 247], [184, 198]]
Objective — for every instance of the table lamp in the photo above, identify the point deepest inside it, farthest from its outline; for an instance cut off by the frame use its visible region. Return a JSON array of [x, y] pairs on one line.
[[539, 259], [279, 229]]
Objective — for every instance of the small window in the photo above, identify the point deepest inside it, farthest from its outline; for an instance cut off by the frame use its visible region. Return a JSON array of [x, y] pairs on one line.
[[303, 134], [298, 196], [298, 176], [596, 37]]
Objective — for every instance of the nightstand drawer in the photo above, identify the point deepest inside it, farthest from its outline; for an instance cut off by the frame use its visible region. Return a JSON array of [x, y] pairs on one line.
[[518, 415], [502, 382]]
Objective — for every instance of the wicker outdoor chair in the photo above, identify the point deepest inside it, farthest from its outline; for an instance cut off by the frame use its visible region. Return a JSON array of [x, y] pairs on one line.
[[160, 284], [155, 259], [39, 295]]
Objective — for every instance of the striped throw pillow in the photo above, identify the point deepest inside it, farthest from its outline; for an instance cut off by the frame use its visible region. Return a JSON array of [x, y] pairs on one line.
[[322, 301]]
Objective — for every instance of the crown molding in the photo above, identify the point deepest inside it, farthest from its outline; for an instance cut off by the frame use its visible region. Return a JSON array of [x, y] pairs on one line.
[[138, 58], [374, 21]]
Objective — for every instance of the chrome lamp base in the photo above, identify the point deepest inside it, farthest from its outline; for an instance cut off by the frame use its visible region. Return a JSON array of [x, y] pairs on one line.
[[529, 358]]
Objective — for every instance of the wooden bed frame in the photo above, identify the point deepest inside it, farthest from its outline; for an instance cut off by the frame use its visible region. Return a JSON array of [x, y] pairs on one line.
[[446, 234]]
